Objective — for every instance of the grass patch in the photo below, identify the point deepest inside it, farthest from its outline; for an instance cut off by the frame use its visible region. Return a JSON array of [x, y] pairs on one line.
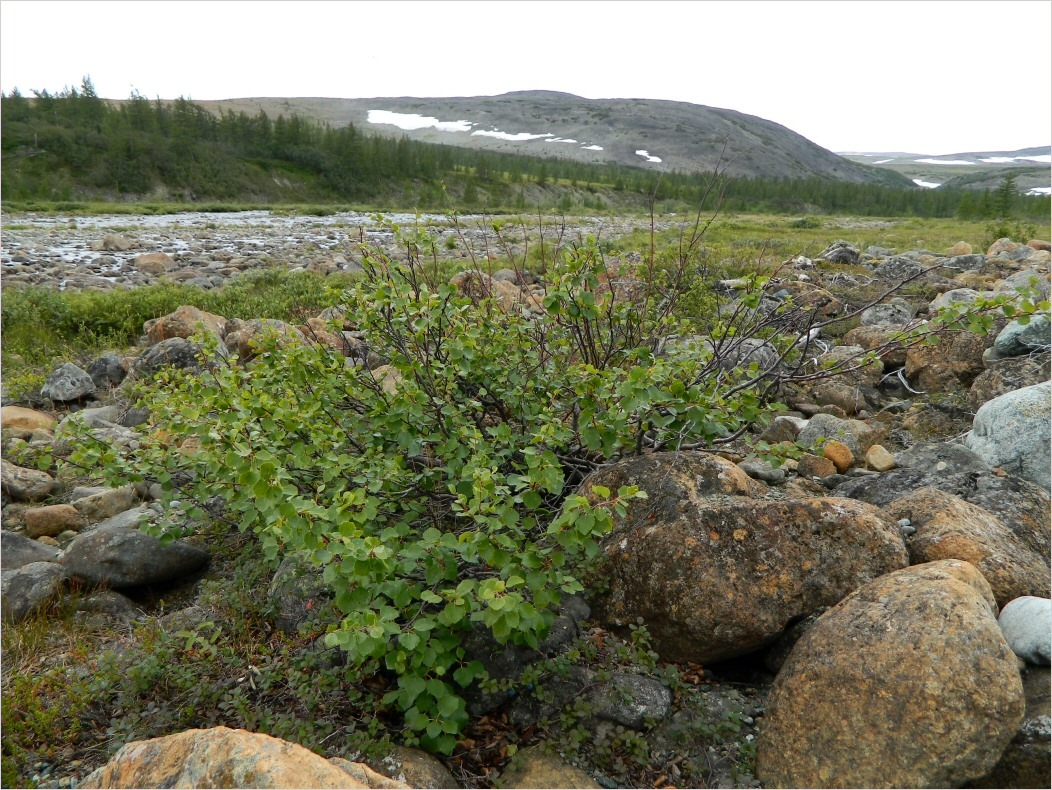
[[43, 327]]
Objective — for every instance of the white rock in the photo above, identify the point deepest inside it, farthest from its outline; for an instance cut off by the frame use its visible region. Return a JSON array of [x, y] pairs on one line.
[[1026, 624]]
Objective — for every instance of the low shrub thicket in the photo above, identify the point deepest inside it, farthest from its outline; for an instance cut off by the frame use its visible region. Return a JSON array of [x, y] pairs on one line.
[[435, 492]]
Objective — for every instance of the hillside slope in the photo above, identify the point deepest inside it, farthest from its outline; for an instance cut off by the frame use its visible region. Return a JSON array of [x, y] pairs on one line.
[[664, 135]]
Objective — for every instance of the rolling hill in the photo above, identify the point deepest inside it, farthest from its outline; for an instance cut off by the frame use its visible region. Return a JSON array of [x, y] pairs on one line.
[[663, 135]]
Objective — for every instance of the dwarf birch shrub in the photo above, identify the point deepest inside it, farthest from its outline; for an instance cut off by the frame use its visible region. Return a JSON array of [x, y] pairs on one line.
[[435, 493]]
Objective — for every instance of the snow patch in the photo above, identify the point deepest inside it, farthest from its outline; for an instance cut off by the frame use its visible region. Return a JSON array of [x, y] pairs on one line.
[[945, 161], [925, 184], [413, 121], [1007, 160], [517, 137], [883, 161], [1040, 191], [647, 156], [592, 147]]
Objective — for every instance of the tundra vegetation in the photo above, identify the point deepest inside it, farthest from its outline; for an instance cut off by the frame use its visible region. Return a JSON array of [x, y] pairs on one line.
[[437, 497]]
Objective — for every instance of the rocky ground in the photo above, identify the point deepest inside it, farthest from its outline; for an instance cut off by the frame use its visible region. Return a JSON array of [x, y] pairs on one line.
[[205, 249], [885, 596]]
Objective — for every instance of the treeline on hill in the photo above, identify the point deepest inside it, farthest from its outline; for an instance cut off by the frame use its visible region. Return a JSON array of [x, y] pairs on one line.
[[73, 145]]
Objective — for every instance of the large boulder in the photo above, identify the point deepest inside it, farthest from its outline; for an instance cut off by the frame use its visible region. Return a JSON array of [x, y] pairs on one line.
[[175, 352], [245, 339], [25, 485], [17, 550], [1019, 338], [1021, 506], [119, 557], [857, 435], [1014, 431], [1026, 624], [1025, 763], [224, 758], [952, 363], [26, 589], [947, 527], [1006, 375], [67, 382], [25, 419], [714, 575], [907, 682], [185, 321], [895, 313]]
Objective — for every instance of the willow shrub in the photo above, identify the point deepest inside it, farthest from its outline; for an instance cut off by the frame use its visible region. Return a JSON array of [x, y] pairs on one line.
[[436, 493]]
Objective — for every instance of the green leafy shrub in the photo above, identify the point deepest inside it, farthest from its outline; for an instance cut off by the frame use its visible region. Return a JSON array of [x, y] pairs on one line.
[[435, 492]]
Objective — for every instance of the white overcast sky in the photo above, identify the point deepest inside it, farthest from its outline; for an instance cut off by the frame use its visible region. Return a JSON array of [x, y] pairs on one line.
[[924, 77]]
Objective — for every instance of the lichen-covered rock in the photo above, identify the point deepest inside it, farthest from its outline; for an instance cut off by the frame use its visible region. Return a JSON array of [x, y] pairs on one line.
[[175, 352], [1006, 375], [1025, 763], [223, 758], [907, 682], [1021, 506], [67, 382], [857, 435], [714, 575], [947, 527], [185, 321], [1014, 431]]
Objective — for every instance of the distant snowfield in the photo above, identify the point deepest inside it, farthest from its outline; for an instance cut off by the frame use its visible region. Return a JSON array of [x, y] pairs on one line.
[[926, 184], [647, 156], [1043, 159], [1037, 191], [945, 161], [414, 121]]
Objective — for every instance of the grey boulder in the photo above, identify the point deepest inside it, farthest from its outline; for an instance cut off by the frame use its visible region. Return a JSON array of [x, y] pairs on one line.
[[17, 550], [28, 588], [119, 557], [1013, 431], [67, 382]]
